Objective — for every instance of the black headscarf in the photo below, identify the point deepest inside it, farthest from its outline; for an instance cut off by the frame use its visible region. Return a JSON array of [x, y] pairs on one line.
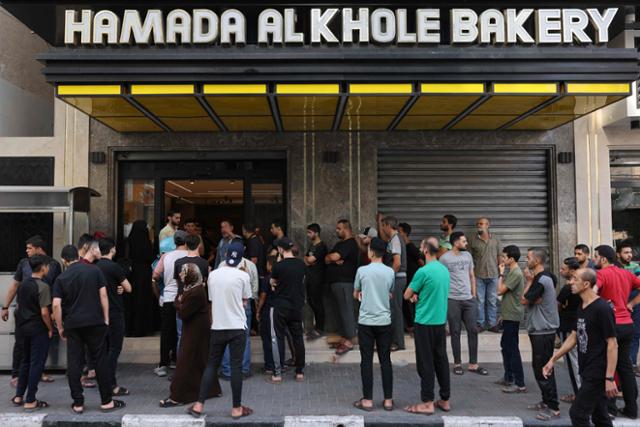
[[140, 248]]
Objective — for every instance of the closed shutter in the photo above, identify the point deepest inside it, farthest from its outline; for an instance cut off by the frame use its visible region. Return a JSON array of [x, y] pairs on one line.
[[510, 187]]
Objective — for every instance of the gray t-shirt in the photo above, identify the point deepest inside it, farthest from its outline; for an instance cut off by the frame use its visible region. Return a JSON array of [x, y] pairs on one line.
[[543, 317], [460, 267], [396, 247]]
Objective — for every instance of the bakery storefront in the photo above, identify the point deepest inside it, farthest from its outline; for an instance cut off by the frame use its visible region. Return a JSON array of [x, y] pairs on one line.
[[316, 111]]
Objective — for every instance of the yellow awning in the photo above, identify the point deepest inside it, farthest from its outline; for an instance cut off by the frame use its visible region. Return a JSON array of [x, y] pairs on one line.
[[193, 107]]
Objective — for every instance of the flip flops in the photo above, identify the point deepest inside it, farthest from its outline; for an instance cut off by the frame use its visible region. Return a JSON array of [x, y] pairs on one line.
[[122, 391], [77, 411], [413, 409], [480, 371], [193, 412], [442, 408], [14, 401], [117, 404], [168, 403], [40, 404], [47, 379], [387, 408], [246, 411], [358, 405]]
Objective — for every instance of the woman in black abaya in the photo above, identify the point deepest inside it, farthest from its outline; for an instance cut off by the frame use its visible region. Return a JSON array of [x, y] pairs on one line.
[[140, 310]]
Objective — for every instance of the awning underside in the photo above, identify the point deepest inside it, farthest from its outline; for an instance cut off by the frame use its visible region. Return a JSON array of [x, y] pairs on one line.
[[338, 106]]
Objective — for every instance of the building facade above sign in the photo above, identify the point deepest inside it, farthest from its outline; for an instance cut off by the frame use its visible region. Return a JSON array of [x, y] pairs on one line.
[[335, 26]]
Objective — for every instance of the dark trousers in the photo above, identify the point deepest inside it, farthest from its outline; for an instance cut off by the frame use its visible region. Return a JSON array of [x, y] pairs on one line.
[[236, 340], [315, 298], [432, 361], [628, 385], [34, 356], [343, 296], [466, 312], [397, 318], [381, 337], [18, 354], [591, 402], [286, 319], [542, 347], [115, 337], [94, 337], [635, 342], [571, 361], [511, 359], [168, 334], [265, 335]]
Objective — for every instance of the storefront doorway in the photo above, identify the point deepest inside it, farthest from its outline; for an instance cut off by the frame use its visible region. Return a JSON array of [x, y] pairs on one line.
[[205, 191], [625, 197]]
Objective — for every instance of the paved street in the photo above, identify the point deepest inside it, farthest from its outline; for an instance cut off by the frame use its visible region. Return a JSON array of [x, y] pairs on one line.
[[329, 390]]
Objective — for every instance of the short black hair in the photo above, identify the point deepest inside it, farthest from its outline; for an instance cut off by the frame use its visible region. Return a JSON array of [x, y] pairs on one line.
[[278, 224], [345, 222], [179, 239], [192, 241], [572, 262], [84, 240], [190, 221], [378, 247], [455, 236], [36, 241], [314, 227], [607, 252], [539, 253], [172, 212], [37, 262], [106, 244], [406, 228], [623, 245], [512, 251], [69, 253], [451, 219], [582, 247], [248, 226]]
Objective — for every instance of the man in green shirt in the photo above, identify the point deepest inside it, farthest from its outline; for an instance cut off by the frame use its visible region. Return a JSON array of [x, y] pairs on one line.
[[429, 290], [511, 288]]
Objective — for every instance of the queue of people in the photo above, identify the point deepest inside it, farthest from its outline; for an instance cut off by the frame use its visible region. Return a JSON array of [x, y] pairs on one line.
[[434, 290]]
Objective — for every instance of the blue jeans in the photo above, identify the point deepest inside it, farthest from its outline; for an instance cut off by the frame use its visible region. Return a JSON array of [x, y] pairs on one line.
[[635, 342], [246, 359], [487, 300]]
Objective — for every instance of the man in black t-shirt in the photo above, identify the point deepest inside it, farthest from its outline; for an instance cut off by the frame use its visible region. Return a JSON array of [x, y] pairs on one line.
[[568, 303], [287, 282], [193, 257], [342, 263], [254, 251], [33, 324], [595, 337], [34, 245], [315, 278], [414, 262], [117, 284], [81, 311]]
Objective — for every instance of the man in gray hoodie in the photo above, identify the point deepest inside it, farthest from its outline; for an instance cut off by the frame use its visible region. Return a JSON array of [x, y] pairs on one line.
[[543, 320]]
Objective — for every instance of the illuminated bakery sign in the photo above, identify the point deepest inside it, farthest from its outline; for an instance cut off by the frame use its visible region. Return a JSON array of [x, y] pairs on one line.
[[335, 26]]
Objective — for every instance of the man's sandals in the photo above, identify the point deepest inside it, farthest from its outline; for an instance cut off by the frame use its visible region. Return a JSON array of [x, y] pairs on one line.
[[246, 411], [169, 403], [40, 404], [414, 409], [343, 349]]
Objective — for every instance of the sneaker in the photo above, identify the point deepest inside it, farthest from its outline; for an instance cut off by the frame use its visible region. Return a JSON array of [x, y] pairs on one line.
[[514, 389], [160, 371]]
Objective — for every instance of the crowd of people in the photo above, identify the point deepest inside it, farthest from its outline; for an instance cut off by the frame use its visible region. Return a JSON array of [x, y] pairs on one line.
[[247, 284]]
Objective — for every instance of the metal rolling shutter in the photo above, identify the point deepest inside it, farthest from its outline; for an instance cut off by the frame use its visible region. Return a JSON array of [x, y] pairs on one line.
[[511, 187]]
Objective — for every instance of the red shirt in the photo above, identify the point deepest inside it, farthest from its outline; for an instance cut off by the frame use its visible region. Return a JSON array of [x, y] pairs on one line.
[[614, 286]]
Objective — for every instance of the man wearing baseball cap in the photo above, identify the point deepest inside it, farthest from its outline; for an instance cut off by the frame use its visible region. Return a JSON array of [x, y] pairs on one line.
[[229, 293]]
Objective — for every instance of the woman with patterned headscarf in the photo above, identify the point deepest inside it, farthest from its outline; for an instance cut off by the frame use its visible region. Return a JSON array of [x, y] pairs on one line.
[[194, 347]]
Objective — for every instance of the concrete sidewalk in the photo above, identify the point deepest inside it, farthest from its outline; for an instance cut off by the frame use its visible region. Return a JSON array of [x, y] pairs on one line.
[[329, 390]]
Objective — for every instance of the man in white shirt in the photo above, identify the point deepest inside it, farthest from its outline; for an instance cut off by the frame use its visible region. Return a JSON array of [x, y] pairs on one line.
[[169, 331], [229, 293], [225, 372]]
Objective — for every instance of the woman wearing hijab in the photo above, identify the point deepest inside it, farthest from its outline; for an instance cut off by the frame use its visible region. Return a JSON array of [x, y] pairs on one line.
[[194, 311], [140, 313]]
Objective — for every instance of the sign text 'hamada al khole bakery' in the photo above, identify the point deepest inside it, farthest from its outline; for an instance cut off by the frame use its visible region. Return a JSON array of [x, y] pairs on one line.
[[335, 26]]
